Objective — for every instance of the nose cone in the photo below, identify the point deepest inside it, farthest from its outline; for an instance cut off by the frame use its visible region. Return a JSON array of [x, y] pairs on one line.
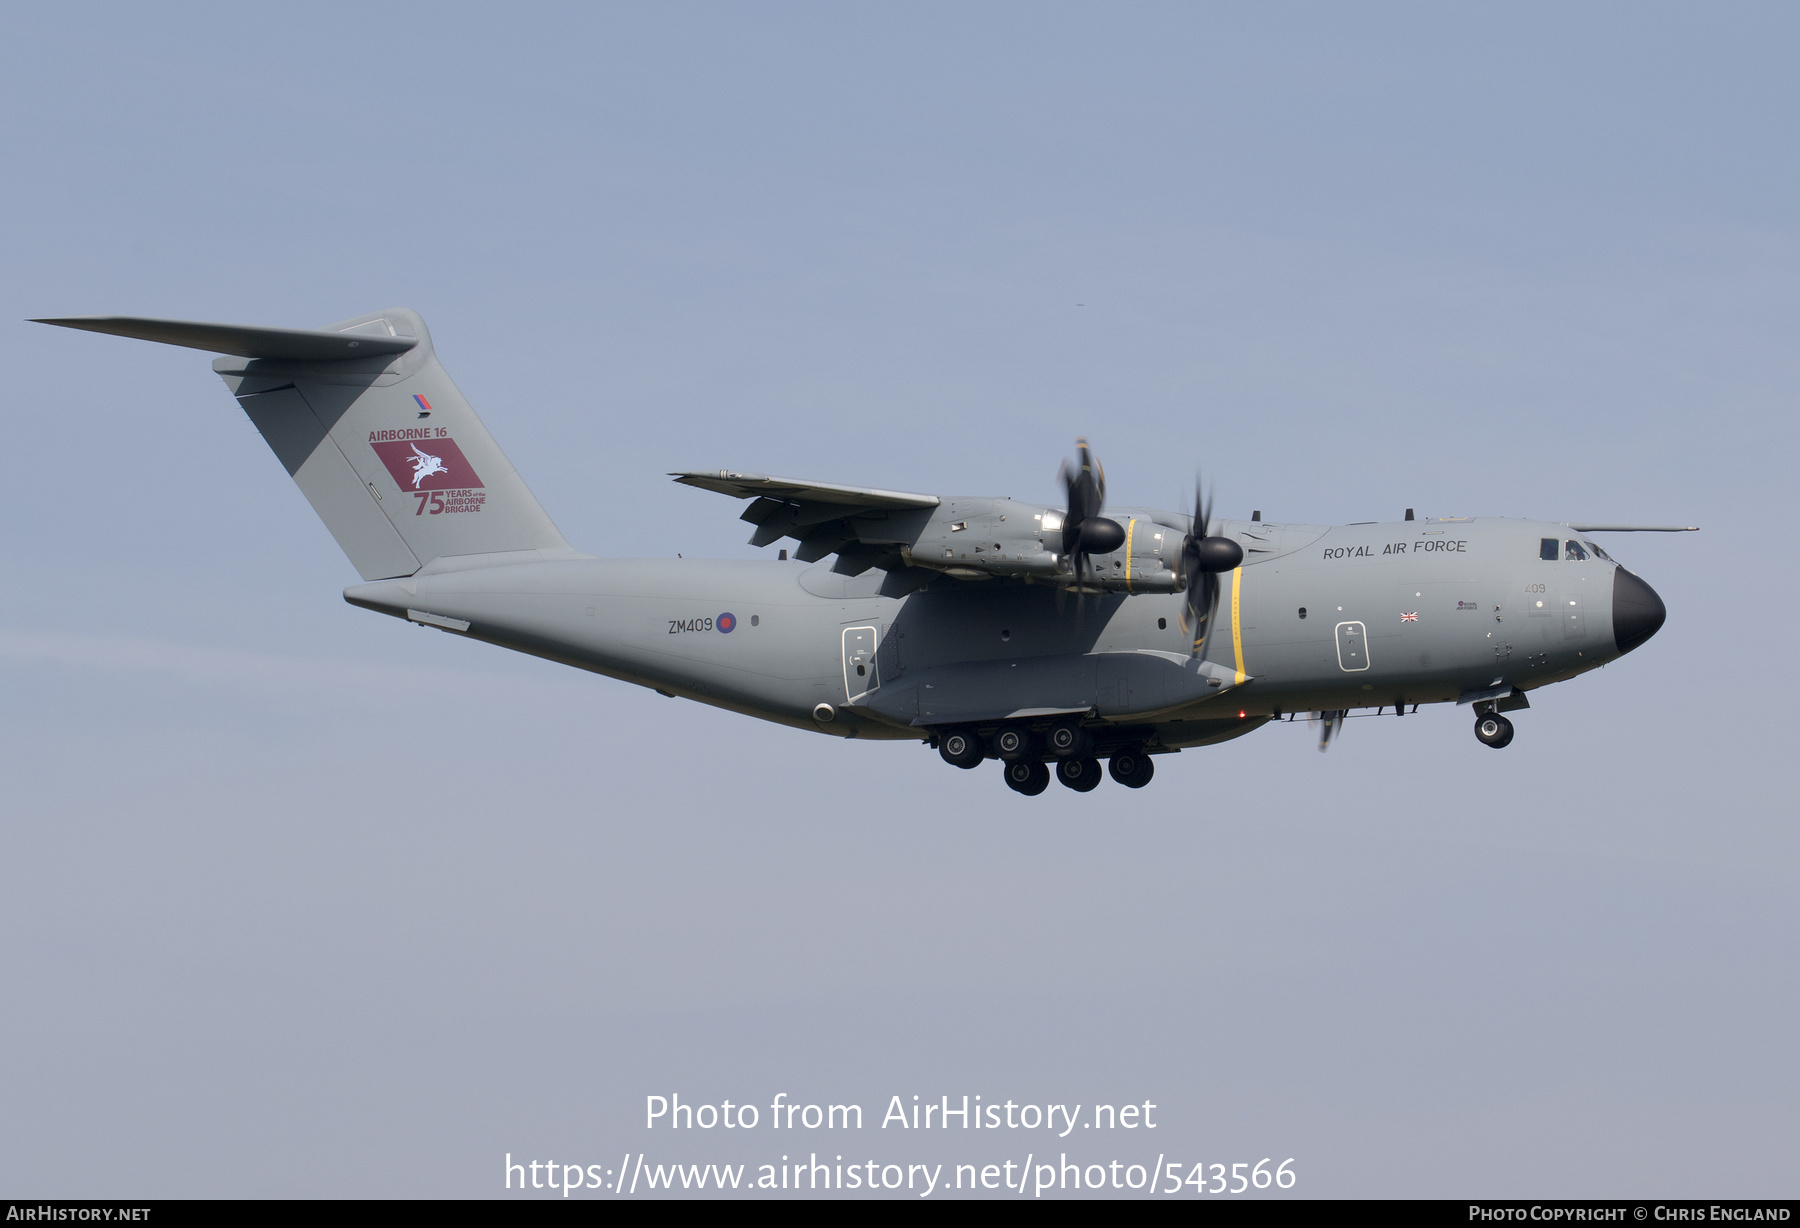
[[1638, 613]]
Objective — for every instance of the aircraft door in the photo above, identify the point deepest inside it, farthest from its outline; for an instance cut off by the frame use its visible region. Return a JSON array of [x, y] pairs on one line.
[[1573, 625], [1540, 614], [860, 673], [1352, 647]]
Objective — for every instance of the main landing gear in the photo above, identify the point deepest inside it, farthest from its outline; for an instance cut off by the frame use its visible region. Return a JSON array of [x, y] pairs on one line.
[[1493, 729], [1081, 775], [1067, 745], [961, 749], [1131, 769], [1030, 779]]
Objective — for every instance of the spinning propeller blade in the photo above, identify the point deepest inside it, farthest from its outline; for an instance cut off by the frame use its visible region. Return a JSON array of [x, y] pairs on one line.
[[1203, 557], [1085, 531], [1330, 723]]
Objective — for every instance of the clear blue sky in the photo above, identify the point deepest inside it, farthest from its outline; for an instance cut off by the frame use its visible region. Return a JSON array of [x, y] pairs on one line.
[[297, 900]]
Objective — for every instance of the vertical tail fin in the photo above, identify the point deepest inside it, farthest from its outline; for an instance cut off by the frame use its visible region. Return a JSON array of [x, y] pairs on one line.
[[368, 424]]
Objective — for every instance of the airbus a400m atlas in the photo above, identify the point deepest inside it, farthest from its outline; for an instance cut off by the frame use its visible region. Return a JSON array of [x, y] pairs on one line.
[[1046, 637]]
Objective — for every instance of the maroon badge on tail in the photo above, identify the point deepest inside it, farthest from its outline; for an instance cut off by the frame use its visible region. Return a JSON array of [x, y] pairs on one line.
[[427, 464]]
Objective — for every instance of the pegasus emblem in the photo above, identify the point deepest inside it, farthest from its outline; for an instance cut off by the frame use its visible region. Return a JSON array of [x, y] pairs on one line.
[[424, 466]]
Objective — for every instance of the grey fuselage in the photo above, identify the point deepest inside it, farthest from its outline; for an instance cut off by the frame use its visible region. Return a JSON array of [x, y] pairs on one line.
[[1316, 619], [913, 614]]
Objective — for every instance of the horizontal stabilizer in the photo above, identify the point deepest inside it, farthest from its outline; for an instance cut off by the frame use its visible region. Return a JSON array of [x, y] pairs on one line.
[[292, 344]]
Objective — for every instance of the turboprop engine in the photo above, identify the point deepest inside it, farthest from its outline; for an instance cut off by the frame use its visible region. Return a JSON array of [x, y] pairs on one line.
[[1074, 547]]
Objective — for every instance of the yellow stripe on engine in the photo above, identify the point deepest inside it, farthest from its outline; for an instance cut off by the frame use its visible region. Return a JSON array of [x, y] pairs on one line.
[[1237, 634], [1130, 527]]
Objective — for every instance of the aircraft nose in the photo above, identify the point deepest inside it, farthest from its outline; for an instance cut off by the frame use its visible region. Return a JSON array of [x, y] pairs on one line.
[[1637, 612]]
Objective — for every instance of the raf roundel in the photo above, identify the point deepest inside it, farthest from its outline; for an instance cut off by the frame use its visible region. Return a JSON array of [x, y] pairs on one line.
[[726, 623]]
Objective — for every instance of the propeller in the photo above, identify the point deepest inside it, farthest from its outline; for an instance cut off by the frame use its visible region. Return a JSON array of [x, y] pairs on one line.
[[1084, 530], [1203, 557]]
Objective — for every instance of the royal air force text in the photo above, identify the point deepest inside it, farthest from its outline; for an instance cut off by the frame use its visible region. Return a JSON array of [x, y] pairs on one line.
[[1430, 545]]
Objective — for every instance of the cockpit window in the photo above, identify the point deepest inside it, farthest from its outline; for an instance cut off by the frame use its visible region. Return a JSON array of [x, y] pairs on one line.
[[1597, 552], [1547, 549], [1573, 553]]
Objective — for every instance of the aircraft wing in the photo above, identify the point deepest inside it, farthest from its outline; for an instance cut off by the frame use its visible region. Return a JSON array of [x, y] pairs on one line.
[[793, 490], [863, 526]]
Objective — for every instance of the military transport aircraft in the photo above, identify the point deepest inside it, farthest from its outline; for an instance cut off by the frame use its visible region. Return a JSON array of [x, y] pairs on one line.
[[1046, 637]]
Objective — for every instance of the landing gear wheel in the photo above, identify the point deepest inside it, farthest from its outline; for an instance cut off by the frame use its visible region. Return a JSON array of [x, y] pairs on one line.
[[1014, 744], [960, 748], [1068, 740], [1030, 779], [1079, 774], [1131, 769], [1493, 729]]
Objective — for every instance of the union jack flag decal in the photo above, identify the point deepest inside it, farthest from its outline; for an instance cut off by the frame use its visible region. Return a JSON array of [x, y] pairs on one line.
[[1410, 618]]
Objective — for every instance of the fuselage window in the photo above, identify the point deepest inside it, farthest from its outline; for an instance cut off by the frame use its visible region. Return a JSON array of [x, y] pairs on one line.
[[1547, 549], [1597, 552], [1574, 553]]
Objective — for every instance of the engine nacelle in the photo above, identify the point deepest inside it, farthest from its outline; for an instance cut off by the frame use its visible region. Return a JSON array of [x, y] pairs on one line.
[[976, 538], [1146, 563], [996, 537]]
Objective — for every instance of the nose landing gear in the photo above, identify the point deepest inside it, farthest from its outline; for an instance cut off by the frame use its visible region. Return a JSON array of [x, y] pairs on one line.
[[1493, 729]]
